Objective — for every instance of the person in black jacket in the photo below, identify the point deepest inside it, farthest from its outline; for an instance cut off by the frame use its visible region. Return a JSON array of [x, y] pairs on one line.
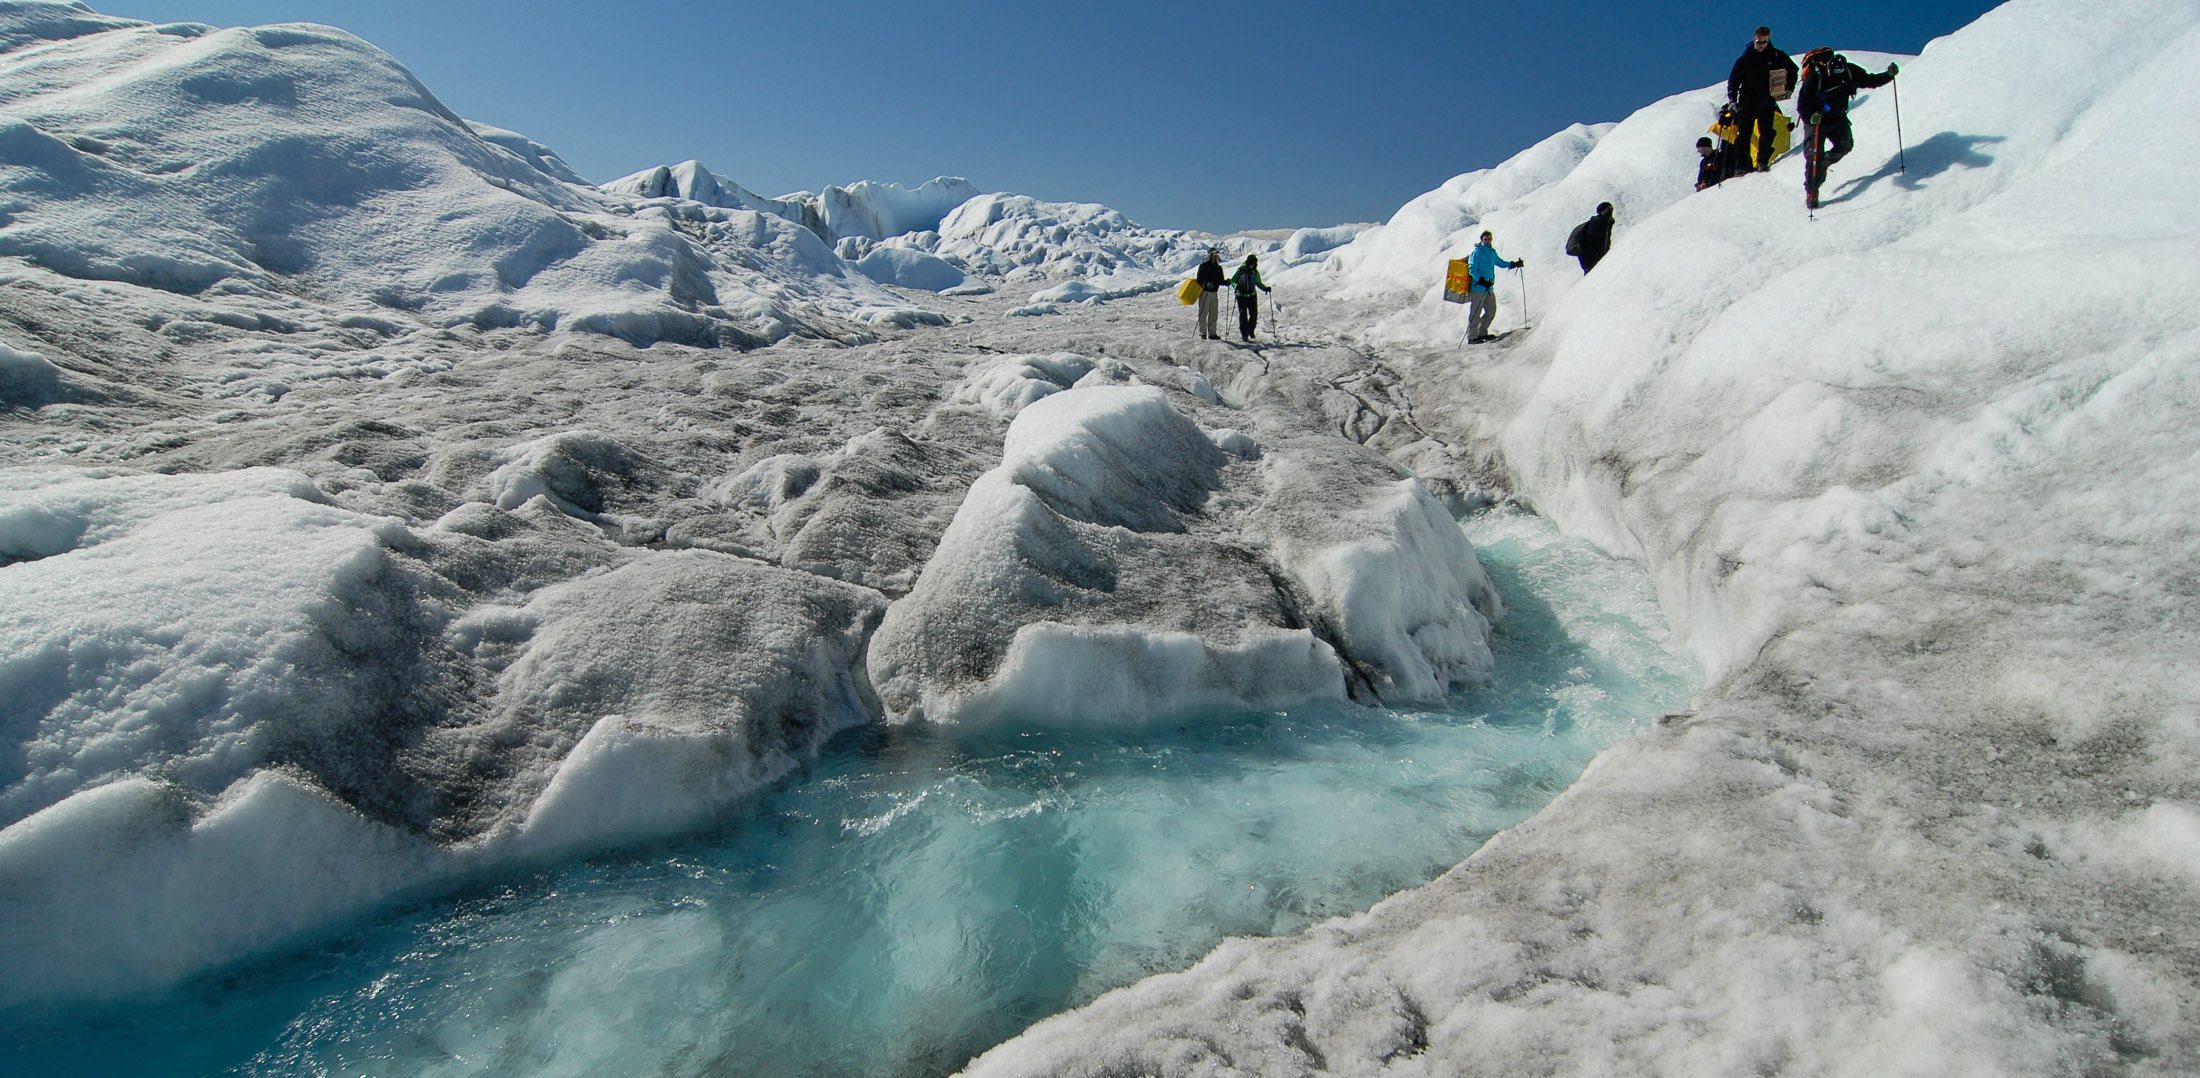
[[1211, 279], [1829, 81], [1762, 76], [1592, 238]]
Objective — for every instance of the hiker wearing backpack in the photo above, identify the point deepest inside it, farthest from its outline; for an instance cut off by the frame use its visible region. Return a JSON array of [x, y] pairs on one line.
[[1591, 238], [1482, 267], [1764, 75], [1211, 279], [1829, 82], [1246, 280]]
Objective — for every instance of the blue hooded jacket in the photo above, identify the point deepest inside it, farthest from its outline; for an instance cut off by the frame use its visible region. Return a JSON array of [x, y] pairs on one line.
[[1482, 266]]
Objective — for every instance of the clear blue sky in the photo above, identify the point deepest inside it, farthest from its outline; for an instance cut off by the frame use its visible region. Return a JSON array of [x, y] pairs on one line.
[[1220, 116]]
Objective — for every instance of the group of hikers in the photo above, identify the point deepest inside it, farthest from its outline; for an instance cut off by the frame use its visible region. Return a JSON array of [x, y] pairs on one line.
[[1752, 130], [1750, 124], [1245, 282]]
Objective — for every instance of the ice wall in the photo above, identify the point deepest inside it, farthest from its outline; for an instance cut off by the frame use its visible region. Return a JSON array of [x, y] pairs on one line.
[[1020, 237], [691, 181], [866, 211]]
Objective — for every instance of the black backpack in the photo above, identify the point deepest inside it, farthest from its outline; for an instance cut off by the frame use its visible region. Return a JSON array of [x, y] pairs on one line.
[[1573, 239]]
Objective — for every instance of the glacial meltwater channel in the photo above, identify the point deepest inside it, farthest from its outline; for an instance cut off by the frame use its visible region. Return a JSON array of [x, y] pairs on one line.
[[916, 896]]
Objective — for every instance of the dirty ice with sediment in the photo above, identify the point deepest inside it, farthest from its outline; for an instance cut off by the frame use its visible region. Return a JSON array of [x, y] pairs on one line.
[[389, 515]]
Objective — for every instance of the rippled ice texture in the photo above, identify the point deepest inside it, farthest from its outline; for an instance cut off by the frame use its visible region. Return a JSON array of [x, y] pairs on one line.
[[921, 894]]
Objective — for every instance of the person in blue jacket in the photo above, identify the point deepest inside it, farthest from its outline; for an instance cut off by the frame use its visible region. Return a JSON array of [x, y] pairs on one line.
[[1482, 281]]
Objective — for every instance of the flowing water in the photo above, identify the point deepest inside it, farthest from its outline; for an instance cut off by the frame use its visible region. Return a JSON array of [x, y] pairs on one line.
[[914, 897]]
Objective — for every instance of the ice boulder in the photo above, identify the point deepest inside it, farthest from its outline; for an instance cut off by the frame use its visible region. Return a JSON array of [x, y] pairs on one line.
[[27, 380], [1387, 570], [908, 267], [1121, 566], [1008, 384], [198, 627], [647, 698], [579, 472], [1309, 242], [269, 711], [135, 883]]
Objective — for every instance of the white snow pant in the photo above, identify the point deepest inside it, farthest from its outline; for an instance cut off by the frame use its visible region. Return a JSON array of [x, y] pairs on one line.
[[1210, 311], [1481, 311]]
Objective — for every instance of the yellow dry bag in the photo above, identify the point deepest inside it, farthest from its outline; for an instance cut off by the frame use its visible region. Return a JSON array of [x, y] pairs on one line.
[[1189, 294], [1456, 276], [1783, 135]]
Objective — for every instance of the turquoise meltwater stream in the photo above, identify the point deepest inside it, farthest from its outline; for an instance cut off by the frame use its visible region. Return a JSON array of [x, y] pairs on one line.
[[914, 897]]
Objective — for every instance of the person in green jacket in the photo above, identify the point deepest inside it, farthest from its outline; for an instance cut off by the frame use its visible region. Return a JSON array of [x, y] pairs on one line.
[[1245, 281]]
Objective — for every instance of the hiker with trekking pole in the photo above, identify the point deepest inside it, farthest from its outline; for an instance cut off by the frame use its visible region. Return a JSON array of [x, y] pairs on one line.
[[1245, 280], [1829, 82], [1482, 267]]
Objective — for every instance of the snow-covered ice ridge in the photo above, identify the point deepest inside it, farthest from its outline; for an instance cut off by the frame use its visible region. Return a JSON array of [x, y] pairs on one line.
[[947, 236], [305, 610], [294, 176], [298, 178]]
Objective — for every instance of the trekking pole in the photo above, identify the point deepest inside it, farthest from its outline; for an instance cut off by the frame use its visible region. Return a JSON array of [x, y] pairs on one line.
[[1525, 316], [1902, 155]]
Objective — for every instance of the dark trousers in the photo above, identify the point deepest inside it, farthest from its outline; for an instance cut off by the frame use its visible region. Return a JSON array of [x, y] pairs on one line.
[[1248, 315], [1830, 141], [1733, 159], [1757, 118]]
